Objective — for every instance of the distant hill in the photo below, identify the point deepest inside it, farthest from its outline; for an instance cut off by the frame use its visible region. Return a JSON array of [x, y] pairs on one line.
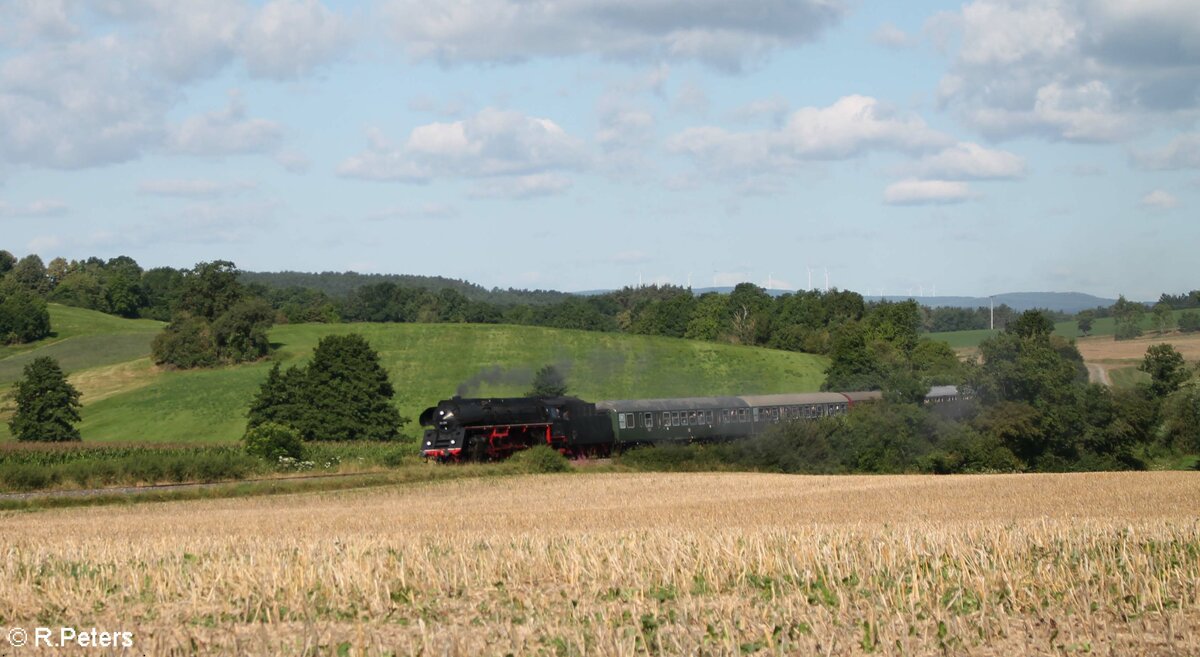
[[1067, 302], [342, 284]]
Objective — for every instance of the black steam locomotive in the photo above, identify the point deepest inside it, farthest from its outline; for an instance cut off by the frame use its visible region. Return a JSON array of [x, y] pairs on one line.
[[490, 429]]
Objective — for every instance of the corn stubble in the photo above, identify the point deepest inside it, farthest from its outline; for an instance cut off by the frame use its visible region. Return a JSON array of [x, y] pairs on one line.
[[633, 564]]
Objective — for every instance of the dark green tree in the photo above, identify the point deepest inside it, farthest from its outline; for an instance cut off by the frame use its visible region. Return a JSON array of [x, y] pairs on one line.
[[1166, 368], [29, 274], [1189, 321], [348, 395], [210, 289], [186, 342], [240, 332], [548, 382], [7, 260], [47, 405], [1084, 320], [23, 318], [281, 399], [1181, 418], [1031, 323]]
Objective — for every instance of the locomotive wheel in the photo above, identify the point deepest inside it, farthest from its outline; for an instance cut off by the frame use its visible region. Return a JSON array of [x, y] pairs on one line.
[[478, 450]]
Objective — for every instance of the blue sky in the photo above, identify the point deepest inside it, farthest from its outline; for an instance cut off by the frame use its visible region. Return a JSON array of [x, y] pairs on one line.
[[977, 148]]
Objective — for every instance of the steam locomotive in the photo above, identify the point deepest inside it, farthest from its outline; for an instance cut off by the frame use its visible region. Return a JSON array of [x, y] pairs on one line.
[[486, 429]]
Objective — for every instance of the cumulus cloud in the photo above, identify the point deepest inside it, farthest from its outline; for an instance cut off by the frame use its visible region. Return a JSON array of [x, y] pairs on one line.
[[290, 38], [1182, 153], [78, 104], [491, 143], [970, 161], [39, 208], [723, 34], [225, 132], [1077, 70], [926, 192], [850, 127], [1159, 200], [193, 188], [88, 84]]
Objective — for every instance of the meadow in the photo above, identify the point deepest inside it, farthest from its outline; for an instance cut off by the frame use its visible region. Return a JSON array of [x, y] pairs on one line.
[[1104, 327], [127, 399], [632, 564]]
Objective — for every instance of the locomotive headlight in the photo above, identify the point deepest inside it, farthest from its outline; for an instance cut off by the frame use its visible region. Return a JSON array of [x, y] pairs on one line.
[[451, 442], [428, 442]]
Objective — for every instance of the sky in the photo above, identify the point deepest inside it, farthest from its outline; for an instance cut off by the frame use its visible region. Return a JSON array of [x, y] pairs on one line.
[[888, 147]]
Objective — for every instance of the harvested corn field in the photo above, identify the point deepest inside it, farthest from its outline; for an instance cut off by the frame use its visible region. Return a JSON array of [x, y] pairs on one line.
[[632, 564]]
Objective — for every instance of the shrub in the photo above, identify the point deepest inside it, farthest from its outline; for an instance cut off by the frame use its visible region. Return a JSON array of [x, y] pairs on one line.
[[540, 459], [796, 447], [271, 441], [23, 476]]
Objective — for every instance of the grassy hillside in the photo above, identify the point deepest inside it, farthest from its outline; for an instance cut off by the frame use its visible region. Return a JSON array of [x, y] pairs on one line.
[[81, 339], [130, 400]]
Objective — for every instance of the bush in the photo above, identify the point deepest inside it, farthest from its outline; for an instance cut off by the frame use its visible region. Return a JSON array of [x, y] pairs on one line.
[[186, 342], [540, 459], [24, 476], [271, 441], [800, 446]]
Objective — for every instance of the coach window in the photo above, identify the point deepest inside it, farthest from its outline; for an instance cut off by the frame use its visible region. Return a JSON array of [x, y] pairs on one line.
[[666, 419], [755, 413], [621, 420], [674, 418], [648, 418]]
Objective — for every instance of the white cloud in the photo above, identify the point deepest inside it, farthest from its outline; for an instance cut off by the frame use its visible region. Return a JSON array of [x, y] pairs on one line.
[[851, 127], [193, 188], [970, 161], [225, 132], [924, 192], [290, 38], [1077, 70], [491, 143], [1159, 200], [720, 33], [530, 186], [78, 104], [39, 208], [91, 83], [1182, 153]]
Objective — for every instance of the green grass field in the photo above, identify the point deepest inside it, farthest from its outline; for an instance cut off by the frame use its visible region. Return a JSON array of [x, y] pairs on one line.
[[1069, 329], [135, 402], [82, 339]]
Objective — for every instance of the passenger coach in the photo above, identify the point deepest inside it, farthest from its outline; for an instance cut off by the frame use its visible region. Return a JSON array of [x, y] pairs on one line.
[[683, 420]]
